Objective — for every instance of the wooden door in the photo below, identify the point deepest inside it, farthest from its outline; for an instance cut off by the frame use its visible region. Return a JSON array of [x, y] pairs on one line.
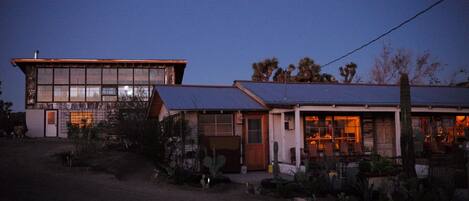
[[385, 136], [255, 142]]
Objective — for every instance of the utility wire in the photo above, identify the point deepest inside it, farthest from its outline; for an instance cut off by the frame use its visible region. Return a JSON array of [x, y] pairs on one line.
[[384, 34]]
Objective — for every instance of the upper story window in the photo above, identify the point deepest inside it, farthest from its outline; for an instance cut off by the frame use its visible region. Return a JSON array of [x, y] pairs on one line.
[[157, 76], [77, 76], [61, 75], [141, 76], [93, 76], [44, 93], [109, 76], [44, 75], [125, 76]]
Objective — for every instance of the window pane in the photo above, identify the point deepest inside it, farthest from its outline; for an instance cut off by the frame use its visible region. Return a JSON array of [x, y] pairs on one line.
[[60, 75], [125, 76], [254, 131], [157, 76], [44, 93], [77, 76], [215, 124], [93, 75], [109, 76], [77, 93], [60, 93], [125, 92], [110, 90], [93, 93], [44, 75], [109, 98], [141, 76], [142, 92], [81, 119]]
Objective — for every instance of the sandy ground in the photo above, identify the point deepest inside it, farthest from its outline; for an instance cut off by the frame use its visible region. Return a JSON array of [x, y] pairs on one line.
[[29, 172]]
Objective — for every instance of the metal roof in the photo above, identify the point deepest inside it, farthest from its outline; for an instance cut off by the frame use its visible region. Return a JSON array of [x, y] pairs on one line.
[[187, 97], [354, 94]]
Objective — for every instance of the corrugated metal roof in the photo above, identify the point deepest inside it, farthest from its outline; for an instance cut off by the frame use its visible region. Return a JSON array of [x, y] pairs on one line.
[[354, 94], [205, 98]]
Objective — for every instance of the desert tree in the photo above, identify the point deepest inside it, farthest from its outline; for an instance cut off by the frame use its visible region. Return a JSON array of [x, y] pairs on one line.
[[423, 69], [348, 72], [263, 70]]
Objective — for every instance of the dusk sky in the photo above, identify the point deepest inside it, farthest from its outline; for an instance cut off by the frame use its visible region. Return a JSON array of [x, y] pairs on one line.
[[221, 39]]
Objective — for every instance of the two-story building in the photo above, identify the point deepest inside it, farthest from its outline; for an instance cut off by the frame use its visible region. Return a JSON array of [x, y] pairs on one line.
[[59, 91]]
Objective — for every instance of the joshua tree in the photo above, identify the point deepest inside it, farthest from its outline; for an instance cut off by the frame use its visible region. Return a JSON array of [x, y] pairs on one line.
[[407, 143], [348, 72], [264, 69]]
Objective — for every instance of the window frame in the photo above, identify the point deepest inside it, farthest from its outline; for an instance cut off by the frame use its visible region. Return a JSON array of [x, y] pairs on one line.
[[215, 124]]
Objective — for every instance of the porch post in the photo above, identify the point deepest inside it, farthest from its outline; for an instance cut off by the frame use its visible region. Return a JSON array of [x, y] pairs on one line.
[[282, 135], [397, 122], [297, 136], [271, 136]]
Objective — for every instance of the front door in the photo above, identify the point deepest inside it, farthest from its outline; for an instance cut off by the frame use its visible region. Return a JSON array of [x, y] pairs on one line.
[[385, 133], [51, 123], [255, 142]]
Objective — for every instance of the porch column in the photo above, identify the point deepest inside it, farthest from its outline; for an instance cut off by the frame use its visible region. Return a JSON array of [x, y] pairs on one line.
[[282, 135], [271, 136], [297, 136], [397, 122]]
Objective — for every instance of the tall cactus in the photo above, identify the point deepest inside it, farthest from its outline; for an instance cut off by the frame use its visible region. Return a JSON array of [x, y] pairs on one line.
[[276, 168], [407, 142]]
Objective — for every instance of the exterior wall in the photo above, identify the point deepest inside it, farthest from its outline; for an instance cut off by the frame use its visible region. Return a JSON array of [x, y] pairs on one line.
[[35, 122], [64, 118], [287, 141]]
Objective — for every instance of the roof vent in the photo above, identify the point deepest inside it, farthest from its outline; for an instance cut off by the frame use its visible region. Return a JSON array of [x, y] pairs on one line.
[[36, 54]]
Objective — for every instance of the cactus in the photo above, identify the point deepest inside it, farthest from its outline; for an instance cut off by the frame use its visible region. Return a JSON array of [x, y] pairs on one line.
[[407, 142], [276, 168], [214, 163]]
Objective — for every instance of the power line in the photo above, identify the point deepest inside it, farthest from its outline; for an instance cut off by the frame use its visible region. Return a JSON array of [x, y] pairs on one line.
[[384, 34]]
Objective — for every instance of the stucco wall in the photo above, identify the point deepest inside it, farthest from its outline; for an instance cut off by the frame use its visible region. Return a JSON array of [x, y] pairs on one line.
[[287, 141], [35, 122]]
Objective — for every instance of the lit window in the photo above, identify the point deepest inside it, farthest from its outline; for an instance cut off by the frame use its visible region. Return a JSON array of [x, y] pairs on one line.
[[93, 93], [125, 92], [141, 76], [93, 76], [44, 75], [44, 93], [109, 76], [77, 76], [81, 119], [332, 129], [60, 93], [157, 76], [216, 124], [61, 76], [125, 76], [77, 93]]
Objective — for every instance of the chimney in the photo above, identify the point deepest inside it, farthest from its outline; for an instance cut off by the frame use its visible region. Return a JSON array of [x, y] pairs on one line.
[[36, 54]]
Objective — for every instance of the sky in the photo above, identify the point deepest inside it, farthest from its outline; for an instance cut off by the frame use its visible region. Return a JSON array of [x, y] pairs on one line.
[[221, 39]]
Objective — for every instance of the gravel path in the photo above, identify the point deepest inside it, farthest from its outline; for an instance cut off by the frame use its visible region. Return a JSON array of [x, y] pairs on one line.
[[29, 172]]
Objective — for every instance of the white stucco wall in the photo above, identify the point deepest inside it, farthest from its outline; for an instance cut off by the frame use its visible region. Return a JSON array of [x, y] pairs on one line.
[[287, 141], [35, 122]]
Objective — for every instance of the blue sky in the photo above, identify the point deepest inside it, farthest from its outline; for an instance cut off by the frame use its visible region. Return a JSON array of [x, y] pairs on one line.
[[221, 39]]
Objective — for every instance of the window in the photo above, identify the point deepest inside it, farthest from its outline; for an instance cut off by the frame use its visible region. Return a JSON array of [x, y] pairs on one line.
[[332, 129], [141, 76], [44, 93], [77, 76], [109, 98], [157, 76], [109, 76], [142, 92], [216, 124], [81, 119], [44, 75], [254, 131], [93, 75], [93, 93], [50, 117], [60, 93], [125, 92], [60, 75], [77, 93], [125, 76], [109, 91]]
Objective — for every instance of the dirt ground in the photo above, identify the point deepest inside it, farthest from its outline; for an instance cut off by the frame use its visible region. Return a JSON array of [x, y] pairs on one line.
[[28, 171]]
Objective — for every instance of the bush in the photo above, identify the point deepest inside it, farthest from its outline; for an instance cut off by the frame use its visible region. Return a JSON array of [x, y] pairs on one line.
[[86, 138], [377, 166]]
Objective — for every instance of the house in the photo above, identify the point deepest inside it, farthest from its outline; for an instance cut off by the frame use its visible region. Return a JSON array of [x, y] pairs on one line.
[[317, 119], [80, 91]]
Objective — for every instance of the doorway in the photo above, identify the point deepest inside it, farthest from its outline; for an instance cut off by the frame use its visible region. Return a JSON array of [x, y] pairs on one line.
[[51, 123], [255, 142]]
